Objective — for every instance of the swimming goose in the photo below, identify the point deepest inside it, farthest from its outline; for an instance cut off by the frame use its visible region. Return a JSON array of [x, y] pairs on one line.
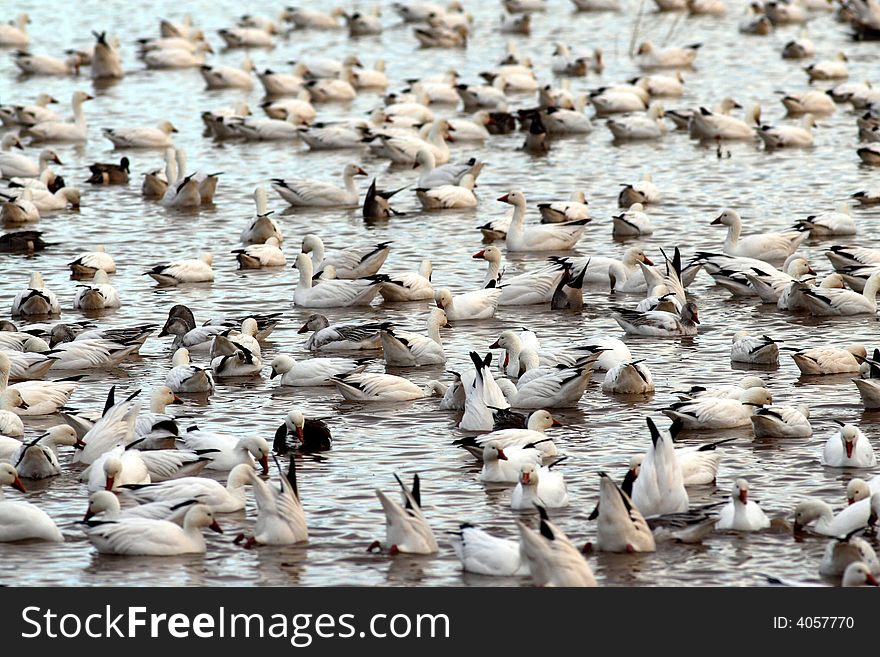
[[799, 48], [219, 498], [314, 193], [409, 286], [829, 360], [233, 359], [109, 173], [645, 191], [406, 529], [620, 525], [551, 557], [532, 287], [330, 137], [106, 61], [97, 295], [280, 516], [841, 552], [788, 136], [858, 574], [848, 447], [252, 129], [708, 125], [305, 18], [150, 537], [27, 365], [117, 467], [36, 299], [228, 77], [724, 391], [817, 103], [619, 100], [91, 354], [350, 263], [649, 57], [782, 422], [367, 386], [748, 349], [853, 517], [658, 322], [837, 301], [764, 246], [771, 285], [632, 223], [449, 196], [719, 413], [11, 405], [647, 125], [546, 237], [848, 256], [14, 165], [310, 434], [339, 337], [144, 137], [89, 262], [829, 70], [561, 387], [62, 131], [539, 485], [184, 271], [20, 520], [531, 434], [230, 451], [19, 210], [742, 514], [475, 305], [246, 37], [333, 293], [14, 33], [404, 149], [484, 554], [104, 505], [621, 274], [30, 64], [46, 201], [837, 222], [659, 488], [405, 349], [35, 397], [184, 377], [256, 256], [503, 465], [31, 114], [38, 458], [481, 394], [868, 384], [262, 226], [632, 378], [432, 176], [562, 211]]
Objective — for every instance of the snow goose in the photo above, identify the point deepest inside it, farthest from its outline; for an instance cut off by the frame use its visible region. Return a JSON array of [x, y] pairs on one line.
[[40, 397], [658, 322], [503, 465], [840, 301], [449, 196], [621, 274], [230, 451], [829, 360], [15, 165], [531, 435], [38, 459], [649, 57], [350, 263], [305, 18], [28, 365], [848, 256], [659, 488], [232, 359], [838, 222], [562, 211], [742, 514], [821, 517], [11, 405], [648, 125], [182, 326], [176, 58], [484, 554], [106, 61], [262, 226], [315, 193], [156, 425], [843, 551], [404, 149], [36, 299], [62, 131], [473, 129], [619, 100], [405, 349], [708, 125], [817, 103], [21, 520], [717, 413], [19, 210], [869, 384], [829, 70], [764, 246], [220, 498], [748, 349], [228, 77], [440, 36], [481, 394], [644, 191], [367, 386], [319, 137], [533, 287], [620, 525], [799, 48], [256, 256], [521, 353], [14, 33], [470, 306], [539, 485], [246, 37], [782, 422], [334, 293], [281, 519], [31, 114], [184, 377], [301, 112], [46, 201], [432, 176], [144, 137], [104, 505], [116, 467], [97, 295], [406, 529], [30, 64], [88, 263], [194, 270], [788, 136], [150, 537], [339, 337], [330, 90], [858, 574], [772, 284], [632, 223], [363, 24], [551, 557], [312, 372], [632, 378], [547, 237], [724, 391], [409, 286], [252, 129], [310, 434], [848, 447], [91, 354]]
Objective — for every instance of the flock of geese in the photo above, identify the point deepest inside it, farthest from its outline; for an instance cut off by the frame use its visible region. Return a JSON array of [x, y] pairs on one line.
[[146, 473]]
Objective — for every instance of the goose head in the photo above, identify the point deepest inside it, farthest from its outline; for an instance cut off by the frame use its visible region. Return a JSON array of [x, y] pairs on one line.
[[849, 435], [740, 491], [541, 420], [249, 327], [857, 490], [102, 501], [508, 340], [181, 357], [858, 574], [9, 477], [727, 218], [444, 298], [751, 382], [11, 398], [315, 322], [492, 451], [163, 396], [281, 364], [756, 397], [634, 255], [112, 468], [200, 515], [528, 475], [489, 254], [515, 198], [645, 48], [258, 448], [809, 511], [167, 127], [62, 434], [352, 170]]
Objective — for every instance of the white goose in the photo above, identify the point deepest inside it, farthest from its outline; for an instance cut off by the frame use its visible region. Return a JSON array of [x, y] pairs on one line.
[[352, 262], [539, 485], [339, 337], [532, 435], [143, 137], [551, 557], [88, 263], [404, 150], [312, 372], [502, 465], [104, 505], [192, 270], [262, 226], [742, 514], [114, 468], [858, 574], [621, 275], [628, 378], [313, 193], [837, 222], [62, 131], [256, 256], [20, 520], [409, 286], [406, 529], [14, 33], [782, 422], [475, 305], [561, 211], [149, 537], [649, 57], [829, 69], [173, 58], [763, 246], [334, 293], [19, 210], [484, 554], [620, 526], [97, 295], [772, 284], [228, 77], [840, 553], [30, 64], [633, 223], [15, 165], [659, 322], [531, 287], [39, 397], [232, 359], [717, 413], [817, 103], [837, 301], [405, 349], [848, 447], [280, 516], [659, 488], [545, 237], [829, 360], [367, 386], [482, 394], [432, 176], [788, 136], [724, 391], [31, 114], [447, 197], [219, 498], [562, 387], [230, 451], [185, 377], [748, 349], [648, 125], [36, 299]]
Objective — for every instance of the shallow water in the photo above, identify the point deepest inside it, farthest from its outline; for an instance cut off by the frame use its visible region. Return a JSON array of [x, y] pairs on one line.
[[372, 441]]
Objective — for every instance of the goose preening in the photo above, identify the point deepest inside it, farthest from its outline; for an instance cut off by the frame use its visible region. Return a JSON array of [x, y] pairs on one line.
[[192, 270], [848, 447], [628, 378], [751, 350], [782, 422], [20, 520], [310, 434], [184, 377], [232, 359], [256, 256], [312, 193], [620, 525], [262, 226], [530, 435], [367, 386], [842, 552], [406, 529], [87, 264], [228, 451], [659, 322], [742, 514], [829, 360], [719, 413], [313, 371], [406, 349], [788, 136], [97, 295], [35, 299], [633, 223], [820, 517], [340, 337]]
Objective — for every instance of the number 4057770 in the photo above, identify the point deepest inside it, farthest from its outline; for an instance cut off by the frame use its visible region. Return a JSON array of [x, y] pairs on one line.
[[814, 622]]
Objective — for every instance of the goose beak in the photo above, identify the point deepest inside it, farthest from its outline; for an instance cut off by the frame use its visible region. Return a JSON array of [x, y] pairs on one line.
[[361, 172], [716, 221], [525, 478], [215, 527], [304, 328], [556, 423], [479, 254], [17, 485], [504, 198], [648, 261], [274, 373], [300, 435], [89, 514], [495, 345], [501, 455], [23, 405], [744, 496], [177, 400], [850, 500], [264, 463], [109, 485], [849, 449]]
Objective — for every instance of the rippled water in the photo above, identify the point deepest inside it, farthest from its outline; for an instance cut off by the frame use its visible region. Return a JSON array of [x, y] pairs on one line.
[[372, 441]]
